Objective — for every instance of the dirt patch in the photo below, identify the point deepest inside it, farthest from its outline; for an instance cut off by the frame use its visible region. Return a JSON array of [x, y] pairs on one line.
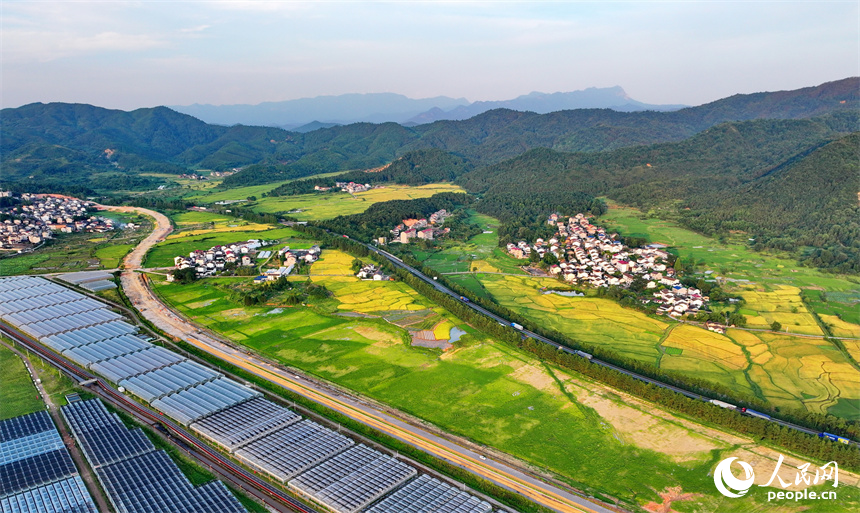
[[536, 377], [670, 495], [649, 431], [379, 337]]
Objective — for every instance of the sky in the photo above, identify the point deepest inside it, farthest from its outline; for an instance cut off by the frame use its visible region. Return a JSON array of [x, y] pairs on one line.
[[132, 54]]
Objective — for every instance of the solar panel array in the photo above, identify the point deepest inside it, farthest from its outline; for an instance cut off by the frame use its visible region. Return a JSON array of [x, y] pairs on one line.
[[234, 427], [166, 380], [316, 461], [137, 477], [207, 398], [428, 495], [102, 435], [293, 449], [353, 479], [68, 495], [36, 471]]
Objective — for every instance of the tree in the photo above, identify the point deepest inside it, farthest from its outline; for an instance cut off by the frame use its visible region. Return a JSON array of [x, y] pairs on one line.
[[357, 265], [775, 326], [186, 275]]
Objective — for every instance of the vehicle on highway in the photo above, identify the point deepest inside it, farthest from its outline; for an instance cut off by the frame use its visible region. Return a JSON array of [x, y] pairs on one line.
[[464, 299], [583, 354], [753, 413], [721, 404], [517, 326]]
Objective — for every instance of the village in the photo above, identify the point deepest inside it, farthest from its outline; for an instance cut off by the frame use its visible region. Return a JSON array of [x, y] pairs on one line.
[[38, 216], [587, 255], [426, 229], [218, 259], [350, 187]]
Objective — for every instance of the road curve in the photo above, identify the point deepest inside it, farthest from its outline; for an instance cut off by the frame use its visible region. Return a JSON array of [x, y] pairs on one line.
[[135, 285]]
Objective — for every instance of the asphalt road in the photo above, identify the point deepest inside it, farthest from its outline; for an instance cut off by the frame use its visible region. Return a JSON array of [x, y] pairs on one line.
[[136, 288]]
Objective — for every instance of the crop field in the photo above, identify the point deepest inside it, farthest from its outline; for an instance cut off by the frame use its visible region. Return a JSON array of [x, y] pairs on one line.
[[783, 304], [781, 368], [189, 224], [329, 205], [16, 388], [333, 271], [597, 321], [494, 395], [242, 193]]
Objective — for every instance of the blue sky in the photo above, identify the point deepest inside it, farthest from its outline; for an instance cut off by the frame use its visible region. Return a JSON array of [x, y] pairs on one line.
[[141, 54]]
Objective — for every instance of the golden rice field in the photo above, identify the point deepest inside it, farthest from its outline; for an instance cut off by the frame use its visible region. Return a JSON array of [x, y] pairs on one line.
[[840, 328], [782, 305], [329, 205], [784, 369], [597, 321], [333, 270]]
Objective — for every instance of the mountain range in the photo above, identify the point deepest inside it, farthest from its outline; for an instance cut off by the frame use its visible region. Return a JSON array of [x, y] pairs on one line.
[[306, 114], [781, 165]]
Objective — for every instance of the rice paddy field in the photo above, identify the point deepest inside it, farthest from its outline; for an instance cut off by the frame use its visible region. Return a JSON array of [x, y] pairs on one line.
[[492, 394], [796, 367], [329, 205]]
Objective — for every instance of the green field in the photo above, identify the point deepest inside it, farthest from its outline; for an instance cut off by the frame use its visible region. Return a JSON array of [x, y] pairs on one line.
[[328, 205], [490, 393], [242, 193], [19, 395], [784, 369]]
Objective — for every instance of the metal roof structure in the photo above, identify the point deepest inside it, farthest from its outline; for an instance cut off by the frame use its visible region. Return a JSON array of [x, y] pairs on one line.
[[68, 495], [236, 426], [428, 495], [353, 479], [293, 449]]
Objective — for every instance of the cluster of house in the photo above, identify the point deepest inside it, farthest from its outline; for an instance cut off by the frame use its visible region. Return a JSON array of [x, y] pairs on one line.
[[350, 187], [192, 176], [215, 259], [424, 228], [289, 258], [44, 214], [587, 255], [371, 272]]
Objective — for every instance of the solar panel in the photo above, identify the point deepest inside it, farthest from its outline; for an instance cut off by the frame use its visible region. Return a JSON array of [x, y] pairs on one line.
[[30, 445], [152, 482], [102, 436], [428, 495], [353, 479], [66, 496], [288, 451], [25, 425], [236, 426], [35, 470]]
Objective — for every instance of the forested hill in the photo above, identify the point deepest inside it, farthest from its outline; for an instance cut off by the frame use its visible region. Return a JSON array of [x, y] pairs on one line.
[[789, 183], [58, 145]]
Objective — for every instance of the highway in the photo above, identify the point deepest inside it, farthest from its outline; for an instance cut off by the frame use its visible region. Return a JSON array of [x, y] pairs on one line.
[[136, 287]]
